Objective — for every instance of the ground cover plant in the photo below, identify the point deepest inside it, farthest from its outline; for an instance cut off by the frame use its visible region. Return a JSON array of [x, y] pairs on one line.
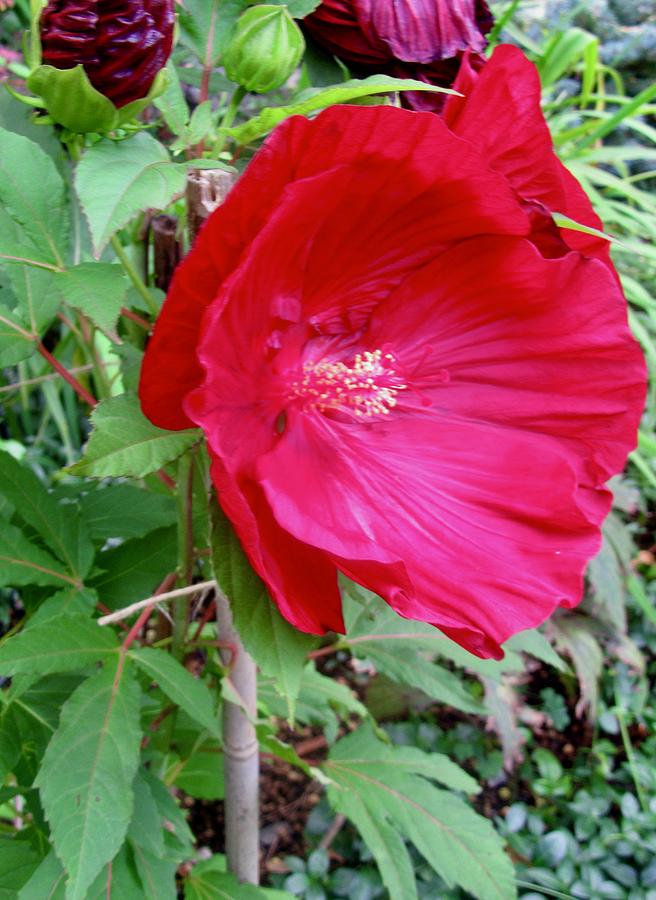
[[165, 652]]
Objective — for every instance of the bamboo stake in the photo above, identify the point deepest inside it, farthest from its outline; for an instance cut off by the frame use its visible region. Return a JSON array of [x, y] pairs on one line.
[[241, 754]]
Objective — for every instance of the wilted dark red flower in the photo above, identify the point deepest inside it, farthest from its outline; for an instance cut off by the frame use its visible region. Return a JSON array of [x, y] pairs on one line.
[[368, 32], [403, 370], [420, 39], [122, 44]]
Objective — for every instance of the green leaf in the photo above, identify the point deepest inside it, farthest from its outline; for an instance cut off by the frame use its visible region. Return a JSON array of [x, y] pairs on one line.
[[22, 562], [535, 644], [206, 882], [201, 773], [124, 443], [395, 646], [16, 343], [117, 179], [179, 685], [177, 827], [37, 299], [135, 568], [86, 778], [172, 104], [47, 882], [382, 787], [314, 100], [297, 8], [17, 863], [60, 645], [322, 701], [206, 25], [104, 509], [98, 290], [146, 827], [32, 193], [157, 875], [276, 646], [58, 526], [68, 602]]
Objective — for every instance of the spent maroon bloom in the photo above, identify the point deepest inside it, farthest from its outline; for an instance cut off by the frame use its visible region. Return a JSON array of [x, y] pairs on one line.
[[422, 39], [404, 370], [121, 44]]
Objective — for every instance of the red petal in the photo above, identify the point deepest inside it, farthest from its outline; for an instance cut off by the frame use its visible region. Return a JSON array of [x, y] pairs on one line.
[[536, 344], [504, 93], [376, 220], [170, 368], [476, 527]]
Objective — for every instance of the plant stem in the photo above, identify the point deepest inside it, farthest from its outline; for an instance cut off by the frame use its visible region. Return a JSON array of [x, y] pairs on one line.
[[228, 119], [133, 275], [241, 756], [79, 389]]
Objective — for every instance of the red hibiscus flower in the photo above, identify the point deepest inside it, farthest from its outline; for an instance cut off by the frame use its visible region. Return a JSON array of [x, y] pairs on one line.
[[122, 44], [403, 370], [420, 39]]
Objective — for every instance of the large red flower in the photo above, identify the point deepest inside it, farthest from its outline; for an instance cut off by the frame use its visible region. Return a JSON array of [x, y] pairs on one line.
[[404, 371]]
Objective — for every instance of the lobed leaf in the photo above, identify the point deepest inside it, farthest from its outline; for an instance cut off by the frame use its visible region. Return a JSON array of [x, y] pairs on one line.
[[32, 192], [58, 645], [97, 289], [86, 778], [383, 787], [117, 179], [124, 443]]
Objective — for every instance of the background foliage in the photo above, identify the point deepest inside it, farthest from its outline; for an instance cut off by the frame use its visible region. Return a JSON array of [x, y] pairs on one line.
[[415, 761]]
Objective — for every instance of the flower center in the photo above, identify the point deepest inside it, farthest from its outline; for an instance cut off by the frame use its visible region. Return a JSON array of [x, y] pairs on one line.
[[367, 388]]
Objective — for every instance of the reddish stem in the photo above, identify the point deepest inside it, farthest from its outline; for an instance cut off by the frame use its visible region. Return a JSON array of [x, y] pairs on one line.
[[168, 582], [79, 389], [207, 615], [323, 651], [141, 322]]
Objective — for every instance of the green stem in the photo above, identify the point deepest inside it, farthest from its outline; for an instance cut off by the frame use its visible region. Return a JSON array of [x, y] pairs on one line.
[[228, 118], [133, 275], [184, 499]]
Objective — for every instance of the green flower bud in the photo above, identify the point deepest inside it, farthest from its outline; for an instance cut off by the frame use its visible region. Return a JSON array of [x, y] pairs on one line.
[[265, 49]]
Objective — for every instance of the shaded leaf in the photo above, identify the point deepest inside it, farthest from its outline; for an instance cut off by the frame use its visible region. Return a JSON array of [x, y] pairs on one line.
[[17, 864], [59, 526], [179, 685], [22, 562], [135, 568], [394, 645], [104, 511], [205, 882]]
